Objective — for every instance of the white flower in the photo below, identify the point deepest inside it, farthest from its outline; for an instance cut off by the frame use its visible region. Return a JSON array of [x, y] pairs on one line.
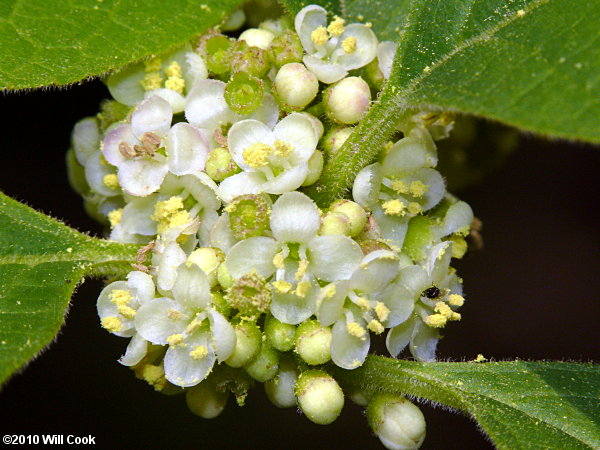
[[85, 139], [432, 291], [197, 335], [274, 161], [118, 304], [334, 49], [296, 256], [145, 150], [385, 57]]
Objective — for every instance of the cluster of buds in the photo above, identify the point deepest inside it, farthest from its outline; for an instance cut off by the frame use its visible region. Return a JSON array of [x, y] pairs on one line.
[[202, 156]]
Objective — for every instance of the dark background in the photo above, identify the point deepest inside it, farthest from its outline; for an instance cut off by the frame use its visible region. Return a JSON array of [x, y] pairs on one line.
[[532, 293]]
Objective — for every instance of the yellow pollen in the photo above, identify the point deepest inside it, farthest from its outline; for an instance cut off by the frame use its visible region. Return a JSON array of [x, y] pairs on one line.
[[393, 208], [283, 287], [349, 44], [115, 216], [176, 84], [330, 292], [174, 70], [112, 324], [399, 187], [443, 309], [356, 330], [282, 148], [194, 325], [175, 339], [336, 27], [257, 155], [382, 311], [278, 260], [120, 297], [126, 311], [480, 358], [302, 267], [363, 303], [302, 288], [173, 314], [418, 188], [415, 208], [319, 36], [111, 180], [436, 320], [375, 326], [153, 64], [459, 247], [456, 300], [199, 352], [170, 214], [152, 81], [154, 376]]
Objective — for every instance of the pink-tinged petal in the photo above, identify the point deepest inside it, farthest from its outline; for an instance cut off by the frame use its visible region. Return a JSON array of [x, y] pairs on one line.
[[153, 115], [113, 139]]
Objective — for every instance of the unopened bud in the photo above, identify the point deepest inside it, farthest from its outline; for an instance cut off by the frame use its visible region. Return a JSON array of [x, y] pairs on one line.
[[313, 342], [334, 223], [315, 167], [220, 164], [235, 20], [208, 259], [249, 216], [216, 49], [398, 423], [257, 37], [285, 49], [335, 138], [374, 74], [280, 335], [251, 60], [280, 389], [244, 93], [247, 346], [205, 400], [348, 100], [250, 295], [224, 277], [296, 86], [355, 213], [76, 174], [419, 236], [319, 396], [265, 365]]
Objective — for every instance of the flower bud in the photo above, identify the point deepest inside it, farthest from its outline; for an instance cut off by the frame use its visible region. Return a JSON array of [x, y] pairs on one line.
[[397, 422], [280, 335], [335, 138], [251, 60], [334, 223], [348, 100], [247, 346], [216, 49], [355, 213], [236, 20], [257, 37], [315, 167], [295, 86], [76, 174], [313, 342], [224, 277], [285, 49], [249, 216], [220, 164], [319, 396], [374, 74], [250, 295], [244, 93], [265, 365], [208, 259], [205, 400], [280, 389], [419, 236]]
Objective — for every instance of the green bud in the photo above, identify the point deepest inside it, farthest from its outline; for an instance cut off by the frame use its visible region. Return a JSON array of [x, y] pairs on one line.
[[219, 302], [285, 49], [220, 164], [265, 365], [76, 174], [374, 74], [335, 138], [295, 86], [355, 213], [280, 335], [315, 167], [224, 277], [216, 49], [251, 60], [334, 223], [319, 396], [111, 111], [348, 100], [398, 423], [244, 93], [247, 344], [280, 390], [205, 400], [249, 216], [313, 342], [419, 235]]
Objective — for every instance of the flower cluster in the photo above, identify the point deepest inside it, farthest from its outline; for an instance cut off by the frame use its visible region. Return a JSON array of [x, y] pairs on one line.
[[202, 157]]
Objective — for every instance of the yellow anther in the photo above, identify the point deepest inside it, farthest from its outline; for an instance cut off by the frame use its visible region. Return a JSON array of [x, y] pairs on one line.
[[176, 84], [175, 339], [436, 320], [336, 27], [443, 309], [480, 358], [194, 325], [382, 311], [415, 208], [356, 330], [349, 44], [282, 148], [320, 36], [111, 180], [278, 260], [166, 208], [459, 247], [115, 216], [179, 219], [173, 314], [112, 324], [154, 376], [302, 288], [418, 188], [257, 155], [400, 187], [330, 291], [153, 64], [199, 352], [387, 147], [456, 300], [120, 297], [283, 287], [174, 70], [126, 311], [375, 326], [363, 303], [302, 267], [394, 208], [152, 81]]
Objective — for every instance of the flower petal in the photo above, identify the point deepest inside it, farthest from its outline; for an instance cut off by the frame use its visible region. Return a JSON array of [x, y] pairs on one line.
[[306, 21], [333, 257], [366, 47], [125, 86], [267, 112], [325, 71], [95, 170], [400, 301], [330, 302], [424, 342], [294, 218], [293, 309], [298, 131], [398, 337], [113, 139], [240, 184], [386, 51], [414, 279], [286, 181], [154, 322], [244, 134], [137, 216], [141, 177], [191, 288], [167, 261], [348, 351], [186, 148], [85, 138], [224, 338], [206, 106], [438, 261], [152, 115], [376, 270], [252, 254], [141, 285], [183, 370], [393, 228], [221, 235], [175, 99], [458, 217], [136, 350], [367, 184]]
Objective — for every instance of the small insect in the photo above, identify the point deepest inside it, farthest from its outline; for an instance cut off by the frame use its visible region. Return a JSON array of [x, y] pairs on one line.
[[432, 292]]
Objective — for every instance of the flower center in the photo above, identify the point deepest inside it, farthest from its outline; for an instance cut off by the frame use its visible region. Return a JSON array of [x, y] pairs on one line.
[[257, 155]]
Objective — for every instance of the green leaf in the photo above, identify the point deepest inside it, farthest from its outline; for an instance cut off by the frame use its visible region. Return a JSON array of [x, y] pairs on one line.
[[41, 263], [57, 42], [519, 404]]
